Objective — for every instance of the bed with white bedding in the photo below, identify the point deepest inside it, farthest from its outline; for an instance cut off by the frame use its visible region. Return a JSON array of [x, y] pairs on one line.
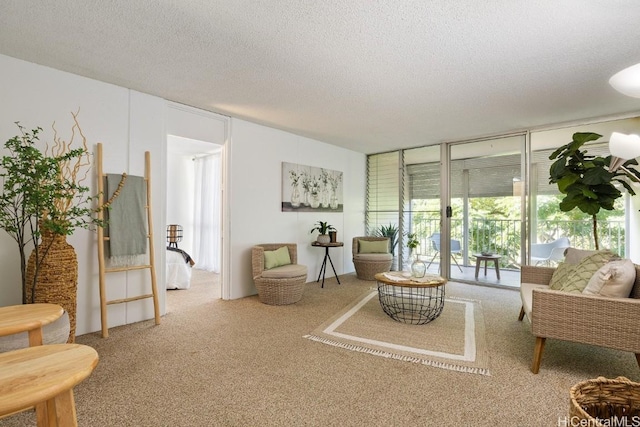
[[179, 265]]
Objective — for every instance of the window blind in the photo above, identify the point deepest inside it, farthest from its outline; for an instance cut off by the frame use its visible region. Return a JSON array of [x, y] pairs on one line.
[[383, 190]]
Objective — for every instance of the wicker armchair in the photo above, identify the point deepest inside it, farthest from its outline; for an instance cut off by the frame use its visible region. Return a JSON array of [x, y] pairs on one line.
[[280, 285], [369, 264], [587, 319]]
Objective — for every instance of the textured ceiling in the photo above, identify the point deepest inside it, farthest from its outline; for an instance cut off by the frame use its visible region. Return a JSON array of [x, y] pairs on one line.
[[367, 75]]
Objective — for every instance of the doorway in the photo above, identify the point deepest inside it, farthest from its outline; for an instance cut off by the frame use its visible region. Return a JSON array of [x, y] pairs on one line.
[[193, 210], [194, 133]]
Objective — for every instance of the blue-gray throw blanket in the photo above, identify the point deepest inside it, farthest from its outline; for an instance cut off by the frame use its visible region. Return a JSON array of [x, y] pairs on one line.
[[127, 225]]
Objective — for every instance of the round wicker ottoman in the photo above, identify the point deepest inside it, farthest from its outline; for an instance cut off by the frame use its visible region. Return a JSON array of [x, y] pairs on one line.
[[280, 291]]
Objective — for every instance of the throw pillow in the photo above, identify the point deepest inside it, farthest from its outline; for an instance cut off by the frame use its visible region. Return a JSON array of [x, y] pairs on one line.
[[574, 256], [585, 270], [614, 279], [277, 258], [373, 246], [562, 274]]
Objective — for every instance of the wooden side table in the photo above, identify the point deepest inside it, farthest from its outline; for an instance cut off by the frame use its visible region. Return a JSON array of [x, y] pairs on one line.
[[492, 257], [44, 376], [30, 318], [323, 269]]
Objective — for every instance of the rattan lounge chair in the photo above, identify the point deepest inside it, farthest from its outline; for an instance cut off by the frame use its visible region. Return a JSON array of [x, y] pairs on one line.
[[280, 285], [369, 264], [587, 319]]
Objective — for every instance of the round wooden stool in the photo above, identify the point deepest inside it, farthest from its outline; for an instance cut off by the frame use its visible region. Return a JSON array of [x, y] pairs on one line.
[[44, 376], [28, 318]]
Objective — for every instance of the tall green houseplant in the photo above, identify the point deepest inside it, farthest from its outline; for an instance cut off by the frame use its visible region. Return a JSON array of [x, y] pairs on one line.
[[42, 191], [586, 180]]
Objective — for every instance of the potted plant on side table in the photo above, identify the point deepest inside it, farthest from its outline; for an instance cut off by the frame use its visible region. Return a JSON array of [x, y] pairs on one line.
[[323, 228]]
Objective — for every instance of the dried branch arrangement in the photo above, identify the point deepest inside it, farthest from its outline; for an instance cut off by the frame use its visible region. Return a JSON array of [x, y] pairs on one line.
[[74, 164]]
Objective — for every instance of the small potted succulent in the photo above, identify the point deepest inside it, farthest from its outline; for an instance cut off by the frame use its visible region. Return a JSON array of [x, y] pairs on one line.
[[323, 228]]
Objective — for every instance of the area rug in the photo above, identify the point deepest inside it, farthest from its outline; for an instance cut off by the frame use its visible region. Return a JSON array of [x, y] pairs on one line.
[[455, 340]]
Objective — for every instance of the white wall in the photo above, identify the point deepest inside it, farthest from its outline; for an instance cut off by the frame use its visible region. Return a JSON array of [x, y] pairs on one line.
[[257, 153], [129, 123]]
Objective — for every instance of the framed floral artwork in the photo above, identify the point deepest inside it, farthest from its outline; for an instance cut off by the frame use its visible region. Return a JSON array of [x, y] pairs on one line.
[[310, 189]]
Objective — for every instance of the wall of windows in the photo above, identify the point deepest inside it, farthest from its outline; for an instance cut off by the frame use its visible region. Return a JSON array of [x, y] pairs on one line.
[[485, 187]]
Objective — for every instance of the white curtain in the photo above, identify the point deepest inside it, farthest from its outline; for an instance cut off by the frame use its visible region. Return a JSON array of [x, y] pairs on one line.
[[207, 213]]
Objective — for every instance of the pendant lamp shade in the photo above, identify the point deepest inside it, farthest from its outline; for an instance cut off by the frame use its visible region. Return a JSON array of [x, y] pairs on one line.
[[627, 81], [624, 146]]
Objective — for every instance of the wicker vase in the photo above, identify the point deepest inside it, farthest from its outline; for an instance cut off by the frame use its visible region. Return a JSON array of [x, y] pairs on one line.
[[57, 278]]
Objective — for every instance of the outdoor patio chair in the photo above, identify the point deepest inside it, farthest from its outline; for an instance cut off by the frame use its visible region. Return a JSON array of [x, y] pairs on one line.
[[455, 248], [547, 252]]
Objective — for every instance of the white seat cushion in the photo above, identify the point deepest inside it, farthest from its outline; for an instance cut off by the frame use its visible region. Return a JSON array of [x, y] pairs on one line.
[[285, 271], [526, 295]]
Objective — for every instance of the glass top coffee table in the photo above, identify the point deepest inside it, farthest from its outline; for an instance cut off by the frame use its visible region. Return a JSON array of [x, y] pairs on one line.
[[411, 300]]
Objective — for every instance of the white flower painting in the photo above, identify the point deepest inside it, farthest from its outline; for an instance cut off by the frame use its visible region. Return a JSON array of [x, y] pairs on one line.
[[309, 189]]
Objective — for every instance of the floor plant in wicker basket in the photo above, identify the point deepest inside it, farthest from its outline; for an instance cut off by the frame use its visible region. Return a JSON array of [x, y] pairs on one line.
[[43, 201]]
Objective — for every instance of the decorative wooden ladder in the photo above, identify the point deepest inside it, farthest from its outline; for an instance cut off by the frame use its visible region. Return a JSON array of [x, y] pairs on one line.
[[102, 239]]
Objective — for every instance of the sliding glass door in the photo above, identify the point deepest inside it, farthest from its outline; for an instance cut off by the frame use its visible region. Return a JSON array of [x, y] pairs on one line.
[[486, 203]]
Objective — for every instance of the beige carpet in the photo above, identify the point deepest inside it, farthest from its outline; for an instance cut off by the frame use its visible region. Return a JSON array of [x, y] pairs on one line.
[[243, 363], [455, 340]]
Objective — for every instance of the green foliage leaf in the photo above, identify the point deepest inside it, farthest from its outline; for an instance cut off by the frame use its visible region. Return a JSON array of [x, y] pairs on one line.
[[566, 181], [583, 137], [558, 170], [322, 227], [596, 175], [589, 206], [589, 194], [567, 205]]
